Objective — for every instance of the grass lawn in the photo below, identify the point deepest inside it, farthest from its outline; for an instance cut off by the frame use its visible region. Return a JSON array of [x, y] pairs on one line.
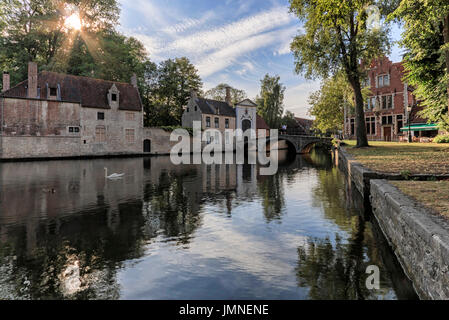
[[396, 157], [433, 194]]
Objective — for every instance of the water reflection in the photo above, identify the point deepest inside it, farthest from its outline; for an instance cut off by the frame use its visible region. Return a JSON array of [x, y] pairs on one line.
[[191, 231]]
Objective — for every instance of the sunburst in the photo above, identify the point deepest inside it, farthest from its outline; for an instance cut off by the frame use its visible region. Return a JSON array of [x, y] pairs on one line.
[[73, 22]]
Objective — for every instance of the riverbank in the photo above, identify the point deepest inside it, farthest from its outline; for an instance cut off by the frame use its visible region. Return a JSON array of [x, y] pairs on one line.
[[418, 236], [401, 158]]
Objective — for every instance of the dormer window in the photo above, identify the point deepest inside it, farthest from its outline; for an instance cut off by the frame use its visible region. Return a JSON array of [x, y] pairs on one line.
[[114, 97], [53, 92]]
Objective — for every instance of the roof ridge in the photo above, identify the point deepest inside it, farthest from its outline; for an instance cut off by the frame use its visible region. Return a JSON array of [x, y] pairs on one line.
[[84, 77]]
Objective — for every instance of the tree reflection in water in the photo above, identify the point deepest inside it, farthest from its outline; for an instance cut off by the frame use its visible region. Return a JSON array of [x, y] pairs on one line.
[[334, 269], [74, 244]]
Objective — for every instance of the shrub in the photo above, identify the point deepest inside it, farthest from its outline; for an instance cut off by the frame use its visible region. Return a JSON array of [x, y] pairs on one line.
[[442, 139], [406, 174], [172, 128]]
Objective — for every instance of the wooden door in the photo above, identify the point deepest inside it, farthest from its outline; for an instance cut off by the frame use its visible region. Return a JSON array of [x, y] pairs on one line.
[[387, 133]]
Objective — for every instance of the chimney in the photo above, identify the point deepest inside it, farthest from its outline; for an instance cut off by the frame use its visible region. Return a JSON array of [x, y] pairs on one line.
[[193, 94], [134, 80], [32, 80], [6, 82], [228, 96]]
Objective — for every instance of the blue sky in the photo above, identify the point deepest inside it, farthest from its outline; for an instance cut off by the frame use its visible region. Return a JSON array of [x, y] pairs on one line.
[[232, 41]]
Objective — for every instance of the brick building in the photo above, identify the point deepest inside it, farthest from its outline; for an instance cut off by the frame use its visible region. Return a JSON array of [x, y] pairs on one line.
[[58, 115], [389, 105]]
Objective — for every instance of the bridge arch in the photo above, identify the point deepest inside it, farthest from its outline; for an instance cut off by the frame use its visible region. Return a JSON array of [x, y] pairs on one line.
[[301, 144]]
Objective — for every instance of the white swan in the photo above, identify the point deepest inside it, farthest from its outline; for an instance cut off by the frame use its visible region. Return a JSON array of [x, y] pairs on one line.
[[112, 176]]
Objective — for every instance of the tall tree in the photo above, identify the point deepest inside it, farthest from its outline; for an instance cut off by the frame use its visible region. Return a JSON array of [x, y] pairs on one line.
[[169, 89], [219, 93], [337, 37], [329, 103], [289, 119], [270, 103], [36, 30], [426, 62]]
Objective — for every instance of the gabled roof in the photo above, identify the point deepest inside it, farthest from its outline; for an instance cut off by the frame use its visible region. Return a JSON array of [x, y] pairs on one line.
[[89, 92], [215, 107], [305, 123], [247, 102], [261, 124]]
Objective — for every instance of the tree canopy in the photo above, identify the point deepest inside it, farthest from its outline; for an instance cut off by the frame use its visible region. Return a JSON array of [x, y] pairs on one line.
[[36, 30], [219, 93], [270, 103], [169, 85], [329, 103], [337, 36], [426, 62]]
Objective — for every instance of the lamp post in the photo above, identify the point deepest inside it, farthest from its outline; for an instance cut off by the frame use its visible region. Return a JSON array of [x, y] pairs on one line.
[[409, 111]]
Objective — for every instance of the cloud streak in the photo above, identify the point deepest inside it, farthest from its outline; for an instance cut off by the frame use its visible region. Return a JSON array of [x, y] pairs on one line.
[[216, 49]]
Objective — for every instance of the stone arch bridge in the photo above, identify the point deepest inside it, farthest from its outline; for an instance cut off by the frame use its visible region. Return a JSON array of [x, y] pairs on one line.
[[303, 144]]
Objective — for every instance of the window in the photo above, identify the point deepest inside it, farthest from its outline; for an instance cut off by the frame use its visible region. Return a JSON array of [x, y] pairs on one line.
[[129, 134], [368, 82], [53, 92], [383, 81], [217, 123], [100, 116], [387, 102], [114, 97], [217, 138], [196, 108], [207, 122], [74, 129], [352, 127], [188, 110], [400, 123], [370, 104], [227, 123], [100, 134], [387, 120], [371, 126], [130, 116]]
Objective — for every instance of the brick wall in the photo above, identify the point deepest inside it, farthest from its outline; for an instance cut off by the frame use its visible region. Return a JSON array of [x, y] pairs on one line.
[[385, 122]]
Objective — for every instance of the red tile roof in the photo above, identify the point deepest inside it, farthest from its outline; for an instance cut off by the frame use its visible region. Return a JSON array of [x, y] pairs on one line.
[[89, 92], [261, 124]]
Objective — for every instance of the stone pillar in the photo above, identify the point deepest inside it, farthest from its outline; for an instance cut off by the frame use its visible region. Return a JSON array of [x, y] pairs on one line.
[[134, 80], [193, 94], [6, 82], [228, 96], [32, 80]]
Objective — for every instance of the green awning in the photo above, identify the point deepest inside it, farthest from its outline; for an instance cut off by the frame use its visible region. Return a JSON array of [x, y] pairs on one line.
[[420, 127]]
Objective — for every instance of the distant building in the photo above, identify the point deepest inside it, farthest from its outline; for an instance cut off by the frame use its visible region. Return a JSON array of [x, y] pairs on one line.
[[220, 115], [386, 109], [304, 125], [58, 115]]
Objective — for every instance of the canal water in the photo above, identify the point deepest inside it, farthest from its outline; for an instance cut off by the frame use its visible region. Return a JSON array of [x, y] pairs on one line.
[[188, 232]]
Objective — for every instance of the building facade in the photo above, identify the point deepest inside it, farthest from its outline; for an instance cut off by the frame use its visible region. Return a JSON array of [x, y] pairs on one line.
[[221, 115], [390, 108], [57, 115]]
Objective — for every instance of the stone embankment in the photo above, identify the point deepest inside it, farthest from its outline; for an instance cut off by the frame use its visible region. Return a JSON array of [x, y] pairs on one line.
[[418, 237]]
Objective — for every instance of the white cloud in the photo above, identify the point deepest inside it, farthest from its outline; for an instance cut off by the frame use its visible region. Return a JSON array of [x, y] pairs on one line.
[[216, 49]]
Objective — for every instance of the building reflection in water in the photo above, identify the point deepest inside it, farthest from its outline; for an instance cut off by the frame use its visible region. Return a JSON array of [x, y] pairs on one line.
[[66, 231]]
